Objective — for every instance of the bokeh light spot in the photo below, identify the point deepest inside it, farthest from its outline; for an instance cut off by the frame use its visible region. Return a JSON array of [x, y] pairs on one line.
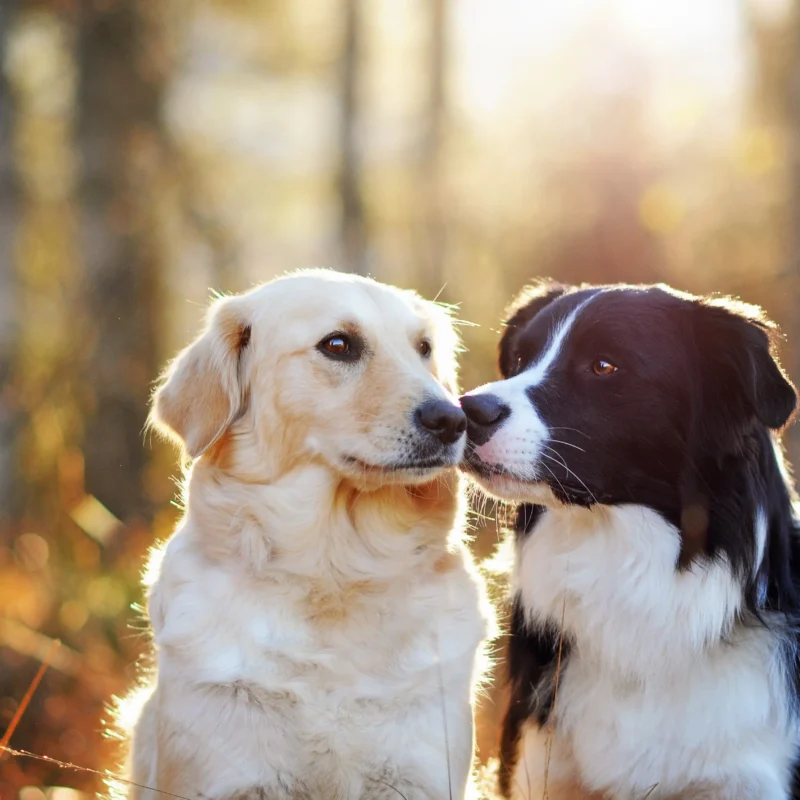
[[64, 793], [72, 743], [31, 793], [105, 597], [660, 209], [32, 551], [758, 152], [73, 614]]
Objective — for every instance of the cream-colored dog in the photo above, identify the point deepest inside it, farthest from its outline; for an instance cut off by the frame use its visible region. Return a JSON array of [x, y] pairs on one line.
[[316, 616]]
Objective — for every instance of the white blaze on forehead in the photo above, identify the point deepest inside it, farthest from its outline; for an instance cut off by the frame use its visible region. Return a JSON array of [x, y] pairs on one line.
[[536, 373], [517, 445]]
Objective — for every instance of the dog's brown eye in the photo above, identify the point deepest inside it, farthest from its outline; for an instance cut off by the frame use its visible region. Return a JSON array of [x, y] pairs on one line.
[[602, 367], [424, 348], [337, 345], [342, 347]]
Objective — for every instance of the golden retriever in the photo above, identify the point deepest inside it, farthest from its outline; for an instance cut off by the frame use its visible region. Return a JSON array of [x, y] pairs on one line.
[[318, 623]]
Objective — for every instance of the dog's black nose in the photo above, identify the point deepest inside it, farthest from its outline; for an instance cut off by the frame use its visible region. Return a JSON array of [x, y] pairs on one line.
[[443, 419], [484, 413]]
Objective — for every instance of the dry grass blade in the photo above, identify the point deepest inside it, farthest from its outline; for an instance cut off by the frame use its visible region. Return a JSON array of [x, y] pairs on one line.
[[444, 720], [105, 775], [551, 728], [26, 699], [6, 751]]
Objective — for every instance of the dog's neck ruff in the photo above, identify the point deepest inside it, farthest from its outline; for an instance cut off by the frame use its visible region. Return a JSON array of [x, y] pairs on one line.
[[607, 577], [310, 522]]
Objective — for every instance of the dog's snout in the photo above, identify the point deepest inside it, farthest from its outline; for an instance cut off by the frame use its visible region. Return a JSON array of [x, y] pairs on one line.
[[484, 413], [443, 419]]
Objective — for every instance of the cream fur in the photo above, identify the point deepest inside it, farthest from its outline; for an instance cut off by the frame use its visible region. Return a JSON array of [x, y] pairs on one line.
[[317, 618]]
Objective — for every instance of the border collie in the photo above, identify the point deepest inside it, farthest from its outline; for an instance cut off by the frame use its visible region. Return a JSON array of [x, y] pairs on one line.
[[653, 649]]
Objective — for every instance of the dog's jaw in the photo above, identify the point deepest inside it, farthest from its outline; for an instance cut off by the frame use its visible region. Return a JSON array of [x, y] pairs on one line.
[[405, 472]]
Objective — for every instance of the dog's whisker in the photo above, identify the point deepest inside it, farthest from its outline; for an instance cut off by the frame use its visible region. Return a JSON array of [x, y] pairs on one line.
[[555, 477], [566, 444], [574, 430], [560, 461]]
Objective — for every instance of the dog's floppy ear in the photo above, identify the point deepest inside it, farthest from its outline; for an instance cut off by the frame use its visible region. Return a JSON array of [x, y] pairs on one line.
[[742, 379], [204, 389], [527, 304]]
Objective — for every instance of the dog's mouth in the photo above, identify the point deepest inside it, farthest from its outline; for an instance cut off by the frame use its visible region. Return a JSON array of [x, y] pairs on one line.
[[475, 465], [422, 465]]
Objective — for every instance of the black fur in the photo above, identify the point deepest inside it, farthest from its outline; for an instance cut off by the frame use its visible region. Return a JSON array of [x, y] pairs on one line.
[[525, 307]]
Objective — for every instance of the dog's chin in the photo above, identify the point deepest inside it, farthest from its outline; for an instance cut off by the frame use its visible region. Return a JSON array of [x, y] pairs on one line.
[[505, 484]]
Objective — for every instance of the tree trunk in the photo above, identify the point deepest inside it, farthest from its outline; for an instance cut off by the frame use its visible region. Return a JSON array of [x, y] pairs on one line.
[[10, 409], [352, 234], [48, 336], [119, 135], [433, 225]]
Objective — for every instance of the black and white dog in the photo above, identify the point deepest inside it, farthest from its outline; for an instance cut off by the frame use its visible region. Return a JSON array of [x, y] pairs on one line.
[[654, 633]]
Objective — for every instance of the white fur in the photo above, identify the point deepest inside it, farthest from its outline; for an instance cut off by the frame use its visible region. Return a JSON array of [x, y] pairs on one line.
[[317, 631], [652, 685]]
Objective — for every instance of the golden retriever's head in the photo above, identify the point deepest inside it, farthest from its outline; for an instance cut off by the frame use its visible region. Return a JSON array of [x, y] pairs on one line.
[[320, 366]]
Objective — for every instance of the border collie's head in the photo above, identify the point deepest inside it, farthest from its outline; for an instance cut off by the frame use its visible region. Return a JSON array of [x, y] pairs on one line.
[[626, 394]]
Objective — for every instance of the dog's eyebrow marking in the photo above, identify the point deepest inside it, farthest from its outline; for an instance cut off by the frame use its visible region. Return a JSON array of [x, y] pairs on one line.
[[535, 374]]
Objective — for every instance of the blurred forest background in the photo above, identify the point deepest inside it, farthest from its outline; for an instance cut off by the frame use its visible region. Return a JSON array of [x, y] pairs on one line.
[[152, 150]]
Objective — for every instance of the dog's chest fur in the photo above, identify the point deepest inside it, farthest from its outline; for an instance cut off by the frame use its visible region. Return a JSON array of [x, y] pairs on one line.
[[325, 685], [274, 630], [640, 694]]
